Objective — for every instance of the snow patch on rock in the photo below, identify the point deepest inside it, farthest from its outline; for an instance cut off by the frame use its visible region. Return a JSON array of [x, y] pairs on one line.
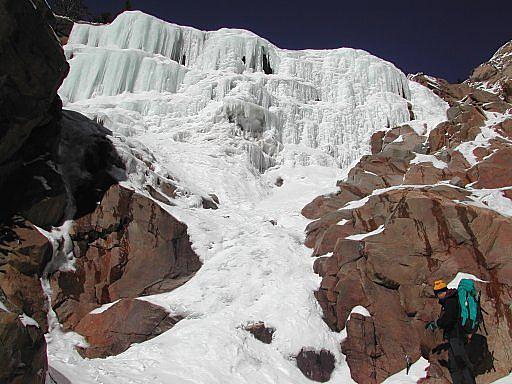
[[362, 236], [429, 159], [462, 275], [27, 321], [417, 371]]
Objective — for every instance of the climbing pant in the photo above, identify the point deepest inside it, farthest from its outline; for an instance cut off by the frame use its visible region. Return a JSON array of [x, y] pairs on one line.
[[458, 362]]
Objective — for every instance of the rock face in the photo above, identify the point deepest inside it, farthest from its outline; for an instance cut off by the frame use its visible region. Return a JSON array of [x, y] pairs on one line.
[[69, 157], [128, 247], [392, 278], [362, 351], [32, 67], [413, 212], [24, 252], [316, 366], [22, 351], [42, 150], [27, 47], [496, 74], [126, 322], [485, 97]]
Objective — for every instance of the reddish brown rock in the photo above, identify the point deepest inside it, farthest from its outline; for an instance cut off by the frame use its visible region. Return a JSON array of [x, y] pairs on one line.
[[261, 332], [363, 350], [316, 366], [504, 128], [437, 138], [496, 73], [24, 252], [128, 247], [128, 321], [400, 140], [209, 203], [463, 125], [495, 171], [22, 351], [469, 117], [376, 141], [451, 93], [24, 247], [497, 106], [454, 93], [25, 293], [424, 173], [392, 277], [480, 153], [326, 204], [377, 172], [483, 72], [324, 240], [458, 166], [168, 188]]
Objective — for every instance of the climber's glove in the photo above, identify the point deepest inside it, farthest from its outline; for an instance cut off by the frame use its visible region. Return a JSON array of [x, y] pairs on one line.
[[432, 325]]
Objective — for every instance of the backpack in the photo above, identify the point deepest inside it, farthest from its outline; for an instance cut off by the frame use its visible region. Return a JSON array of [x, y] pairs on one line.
[[479, 355], [470, 310]]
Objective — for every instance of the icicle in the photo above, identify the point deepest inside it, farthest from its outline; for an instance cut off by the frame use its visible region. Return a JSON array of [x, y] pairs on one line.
[[329, 101]]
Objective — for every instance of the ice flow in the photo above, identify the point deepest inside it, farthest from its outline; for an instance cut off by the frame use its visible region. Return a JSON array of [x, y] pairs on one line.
[[144, 75]]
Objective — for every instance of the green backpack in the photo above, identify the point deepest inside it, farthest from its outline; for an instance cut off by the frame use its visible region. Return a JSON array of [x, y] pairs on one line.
[[469, 303]]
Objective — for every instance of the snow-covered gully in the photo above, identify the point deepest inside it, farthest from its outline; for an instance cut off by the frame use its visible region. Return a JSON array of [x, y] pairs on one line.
[[254, 270]]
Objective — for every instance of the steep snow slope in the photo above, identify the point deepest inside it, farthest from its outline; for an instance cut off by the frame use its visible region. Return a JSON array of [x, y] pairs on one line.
[[141, 74], [253, 271], [203, 104]]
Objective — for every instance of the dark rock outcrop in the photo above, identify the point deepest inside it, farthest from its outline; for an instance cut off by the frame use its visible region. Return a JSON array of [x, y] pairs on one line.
[[55, 166], [128, 321], [315, 365], [22, 351], [32, 67], [261, 332], [24, 252], [71, 158], [61, 25]]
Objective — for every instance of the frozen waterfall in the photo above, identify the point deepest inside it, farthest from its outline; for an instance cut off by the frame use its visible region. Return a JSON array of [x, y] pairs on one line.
[[142, 75]]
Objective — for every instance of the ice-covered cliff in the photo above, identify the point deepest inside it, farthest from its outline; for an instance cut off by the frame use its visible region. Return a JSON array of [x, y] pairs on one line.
[[142, 75], [211, 109]]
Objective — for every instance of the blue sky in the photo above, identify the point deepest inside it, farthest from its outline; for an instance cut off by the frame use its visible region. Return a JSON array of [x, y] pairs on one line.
[[442, 38]]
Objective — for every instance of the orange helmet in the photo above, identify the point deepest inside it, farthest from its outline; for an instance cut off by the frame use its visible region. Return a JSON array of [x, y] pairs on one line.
[[440, 286]]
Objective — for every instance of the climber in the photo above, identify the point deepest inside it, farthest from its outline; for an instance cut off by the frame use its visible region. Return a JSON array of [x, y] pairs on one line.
[[459, 364]]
